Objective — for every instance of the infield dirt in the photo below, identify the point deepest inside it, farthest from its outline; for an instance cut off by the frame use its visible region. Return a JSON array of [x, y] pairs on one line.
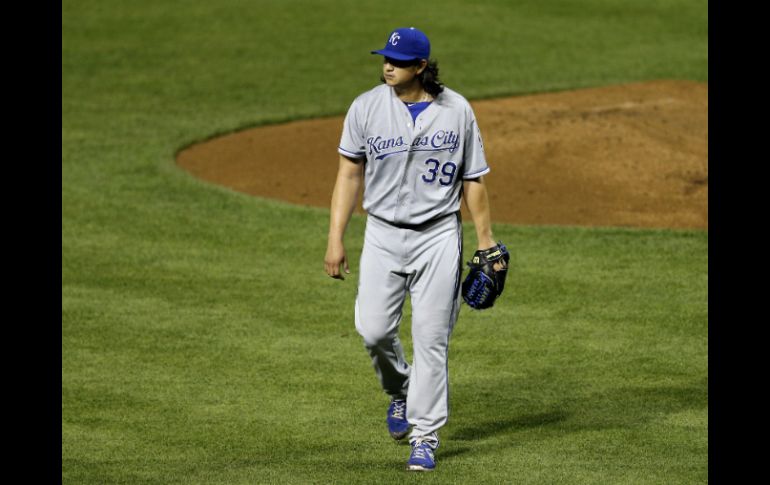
[[633, 155]]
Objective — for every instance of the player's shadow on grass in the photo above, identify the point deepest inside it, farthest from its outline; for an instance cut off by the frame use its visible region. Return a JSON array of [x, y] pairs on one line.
[[626, 407], [479, 431], [487, 429]]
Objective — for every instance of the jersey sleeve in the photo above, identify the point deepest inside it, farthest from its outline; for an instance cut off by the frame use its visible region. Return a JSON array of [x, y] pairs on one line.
[[475, 163], [352, 143]]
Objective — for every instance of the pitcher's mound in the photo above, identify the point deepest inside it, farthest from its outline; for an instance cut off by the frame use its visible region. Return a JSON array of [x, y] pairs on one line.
[[633, 155]]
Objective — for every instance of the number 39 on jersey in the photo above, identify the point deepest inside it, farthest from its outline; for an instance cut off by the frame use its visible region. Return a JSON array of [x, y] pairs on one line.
[[444, 173]]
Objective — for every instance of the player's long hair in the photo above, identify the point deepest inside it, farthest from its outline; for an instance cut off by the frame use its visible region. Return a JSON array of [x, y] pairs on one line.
[[428, 78]]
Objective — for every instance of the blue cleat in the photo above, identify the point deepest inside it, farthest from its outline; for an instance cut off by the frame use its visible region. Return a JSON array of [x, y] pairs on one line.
[[398, 426], [421, 459]]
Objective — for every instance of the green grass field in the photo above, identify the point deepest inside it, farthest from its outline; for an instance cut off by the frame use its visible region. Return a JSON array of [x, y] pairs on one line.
[[202, 342]]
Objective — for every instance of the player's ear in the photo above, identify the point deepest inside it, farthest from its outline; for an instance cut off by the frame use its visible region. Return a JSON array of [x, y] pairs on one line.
[[421, 66]]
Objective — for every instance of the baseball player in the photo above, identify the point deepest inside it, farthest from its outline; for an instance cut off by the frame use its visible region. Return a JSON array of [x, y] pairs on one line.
[[415, 148]]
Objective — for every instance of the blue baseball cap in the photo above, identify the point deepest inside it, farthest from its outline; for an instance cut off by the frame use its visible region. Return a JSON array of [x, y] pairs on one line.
[[406, 44]]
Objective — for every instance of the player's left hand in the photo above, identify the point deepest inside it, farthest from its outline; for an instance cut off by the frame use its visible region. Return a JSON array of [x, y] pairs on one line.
[[486, 279]]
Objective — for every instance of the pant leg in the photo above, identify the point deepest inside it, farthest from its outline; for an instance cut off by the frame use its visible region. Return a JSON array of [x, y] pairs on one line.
[[379, 303], [435, 300]]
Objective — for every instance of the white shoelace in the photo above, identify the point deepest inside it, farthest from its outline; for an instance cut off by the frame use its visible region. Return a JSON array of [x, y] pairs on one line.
[[420, 449], [398, 409]]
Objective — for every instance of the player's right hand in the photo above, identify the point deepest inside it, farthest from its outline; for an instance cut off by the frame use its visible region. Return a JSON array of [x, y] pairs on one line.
[[336, 257]]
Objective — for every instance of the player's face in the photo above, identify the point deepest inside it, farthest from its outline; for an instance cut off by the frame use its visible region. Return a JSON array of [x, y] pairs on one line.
[[401, 73]]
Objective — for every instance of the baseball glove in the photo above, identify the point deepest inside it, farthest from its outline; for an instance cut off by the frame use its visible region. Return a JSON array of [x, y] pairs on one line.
[[483, 284]]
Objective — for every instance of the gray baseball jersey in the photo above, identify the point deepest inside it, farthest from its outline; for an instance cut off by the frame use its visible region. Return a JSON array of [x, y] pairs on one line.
[[414, 169]]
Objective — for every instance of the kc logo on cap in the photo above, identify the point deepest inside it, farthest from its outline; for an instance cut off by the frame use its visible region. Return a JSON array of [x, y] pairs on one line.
[[406, 44]]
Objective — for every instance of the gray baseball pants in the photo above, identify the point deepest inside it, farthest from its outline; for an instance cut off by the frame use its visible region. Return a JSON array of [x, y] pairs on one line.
[[424, 261]]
